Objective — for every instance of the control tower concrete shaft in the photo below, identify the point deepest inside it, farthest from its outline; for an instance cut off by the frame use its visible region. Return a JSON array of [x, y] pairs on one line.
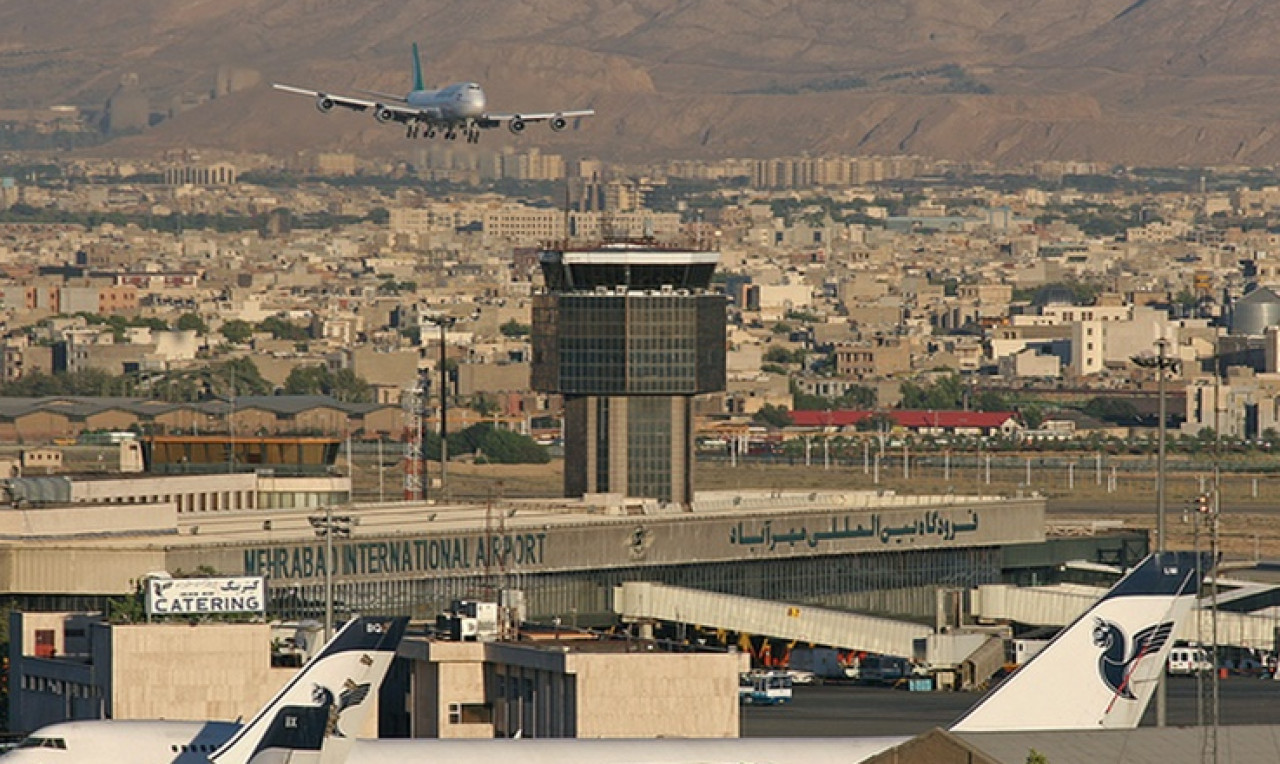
[[628, 333]]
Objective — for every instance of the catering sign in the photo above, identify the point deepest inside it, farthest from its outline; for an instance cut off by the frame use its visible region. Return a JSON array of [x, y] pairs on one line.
[[199, 596]]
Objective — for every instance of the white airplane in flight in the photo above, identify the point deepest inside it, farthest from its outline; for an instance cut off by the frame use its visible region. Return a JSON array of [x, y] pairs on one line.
[[457, 109], [1098, 673]]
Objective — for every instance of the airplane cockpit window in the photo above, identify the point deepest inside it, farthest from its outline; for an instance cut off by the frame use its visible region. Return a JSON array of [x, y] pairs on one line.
[[44, 742], [473, 87]]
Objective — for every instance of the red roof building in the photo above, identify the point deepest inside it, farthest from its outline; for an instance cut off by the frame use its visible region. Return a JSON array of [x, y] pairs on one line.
[[923, 422]]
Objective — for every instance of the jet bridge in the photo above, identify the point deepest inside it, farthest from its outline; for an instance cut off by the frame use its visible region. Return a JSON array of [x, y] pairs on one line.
[[641, 600], [1060, 605]]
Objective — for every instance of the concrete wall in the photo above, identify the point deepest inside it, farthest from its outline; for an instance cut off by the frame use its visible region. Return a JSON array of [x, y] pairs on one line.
[[658, 694], [214, 671], [559, 691], [90, 571], [88, 520], [448, 673]]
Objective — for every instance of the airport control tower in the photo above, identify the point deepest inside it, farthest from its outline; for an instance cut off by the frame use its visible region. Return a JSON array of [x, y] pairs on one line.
[[628, 332]]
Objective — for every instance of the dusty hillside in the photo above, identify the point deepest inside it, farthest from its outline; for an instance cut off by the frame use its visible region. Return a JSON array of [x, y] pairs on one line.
[[1145, 82]]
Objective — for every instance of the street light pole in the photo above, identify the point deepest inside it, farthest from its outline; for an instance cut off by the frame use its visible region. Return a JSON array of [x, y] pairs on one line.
[[328, 573], [1161, 363], [327, 526], [1161, 346], [444, 322]]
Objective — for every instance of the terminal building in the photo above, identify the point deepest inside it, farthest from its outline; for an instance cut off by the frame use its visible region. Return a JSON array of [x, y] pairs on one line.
[[628, 333]]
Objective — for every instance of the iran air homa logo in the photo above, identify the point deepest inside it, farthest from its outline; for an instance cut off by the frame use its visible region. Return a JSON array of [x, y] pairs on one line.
[[1120, 657], [352, 695]]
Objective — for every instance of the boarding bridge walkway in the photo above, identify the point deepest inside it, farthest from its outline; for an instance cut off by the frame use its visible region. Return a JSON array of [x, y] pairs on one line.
[[1062, 604], [642, 600]]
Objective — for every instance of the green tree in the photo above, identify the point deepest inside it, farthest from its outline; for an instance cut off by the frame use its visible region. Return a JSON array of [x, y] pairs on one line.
[[489, 444], [774, 416], [283, 330], [129, 608], [190, 321], [944, 394], [89, 382], [238, 377], [307, 380], [778, 354], [236, 331], [1115, 410], [514, 328], [484, 405], [344, 385], [989, 400], [350, 388], [1032, 416]]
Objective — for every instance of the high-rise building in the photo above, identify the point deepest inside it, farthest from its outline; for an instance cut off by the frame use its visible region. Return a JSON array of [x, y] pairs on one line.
[[628, 332]]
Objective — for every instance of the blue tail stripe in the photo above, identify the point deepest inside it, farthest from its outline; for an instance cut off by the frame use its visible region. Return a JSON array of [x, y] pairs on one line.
[[1166, 574]]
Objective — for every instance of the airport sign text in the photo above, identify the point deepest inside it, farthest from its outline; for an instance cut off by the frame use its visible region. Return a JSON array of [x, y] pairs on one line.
[[200, 596]]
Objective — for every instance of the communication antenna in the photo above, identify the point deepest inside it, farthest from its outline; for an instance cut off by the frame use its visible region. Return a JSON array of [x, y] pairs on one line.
[[411, 406]]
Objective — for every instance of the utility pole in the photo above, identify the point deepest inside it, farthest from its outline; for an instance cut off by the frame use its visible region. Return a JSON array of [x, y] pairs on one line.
[[445, 323], [1161, 363], [327, 526]]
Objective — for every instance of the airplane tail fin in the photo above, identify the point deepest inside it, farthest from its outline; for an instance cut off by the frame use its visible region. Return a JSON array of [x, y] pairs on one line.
[[417, 70], [317, 715], [1099, 672]]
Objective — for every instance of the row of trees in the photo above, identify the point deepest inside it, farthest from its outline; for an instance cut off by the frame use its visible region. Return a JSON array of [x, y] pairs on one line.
[[489, 445], [236, 377], [239, 331]]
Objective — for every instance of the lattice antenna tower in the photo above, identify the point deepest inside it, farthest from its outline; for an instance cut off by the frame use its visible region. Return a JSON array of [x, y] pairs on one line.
[[411, 399]]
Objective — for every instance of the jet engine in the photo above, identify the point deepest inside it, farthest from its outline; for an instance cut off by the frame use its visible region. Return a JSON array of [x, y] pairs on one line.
[[517, 125], [558, 123], [383, 114], [325, 104]]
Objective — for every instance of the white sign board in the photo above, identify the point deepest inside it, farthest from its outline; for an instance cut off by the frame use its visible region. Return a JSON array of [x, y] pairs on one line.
[[184, 596]]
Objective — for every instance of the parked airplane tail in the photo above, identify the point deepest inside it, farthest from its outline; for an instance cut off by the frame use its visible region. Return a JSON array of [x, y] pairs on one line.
[[417, 70], [1099, 672], [316, 716]]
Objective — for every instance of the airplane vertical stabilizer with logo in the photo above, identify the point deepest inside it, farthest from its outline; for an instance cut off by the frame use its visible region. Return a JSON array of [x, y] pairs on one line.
[[315, 718], [1099, 672]]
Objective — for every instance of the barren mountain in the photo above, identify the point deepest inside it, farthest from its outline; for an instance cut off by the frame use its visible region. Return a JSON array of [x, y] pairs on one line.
[[1141, 82]]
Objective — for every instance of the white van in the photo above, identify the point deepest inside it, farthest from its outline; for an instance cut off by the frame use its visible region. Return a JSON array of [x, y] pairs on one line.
[[1188, 660]]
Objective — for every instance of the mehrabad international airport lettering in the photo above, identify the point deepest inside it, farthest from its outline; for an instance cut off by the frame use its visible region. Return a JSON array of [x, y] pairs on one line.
[[373, 558]]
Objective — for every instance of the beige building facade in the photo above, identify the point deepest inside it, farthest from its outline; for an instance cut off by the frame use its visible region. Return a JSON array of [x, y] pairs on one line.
[[570, 689], [69, 666]]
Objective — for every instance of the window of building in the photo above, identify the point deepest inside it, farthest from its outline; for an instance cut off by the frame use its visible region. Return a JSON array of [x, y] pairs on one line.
[[470, 713]]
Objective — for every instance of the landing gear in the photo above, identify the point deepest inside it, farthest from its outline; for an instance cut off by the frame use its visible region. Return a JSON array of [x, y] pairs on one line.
[[450, 134], [473, 135], [431, 132]]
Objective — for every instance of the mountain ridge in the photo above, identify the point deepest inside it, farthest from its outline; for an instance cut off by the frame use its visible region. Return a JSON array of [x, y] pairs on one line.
[[1147, 82]]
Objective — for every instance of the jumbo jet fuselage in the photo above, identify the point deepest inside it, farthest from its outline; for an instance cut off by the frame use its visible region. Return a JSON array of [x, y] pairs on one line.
[[459, 102]]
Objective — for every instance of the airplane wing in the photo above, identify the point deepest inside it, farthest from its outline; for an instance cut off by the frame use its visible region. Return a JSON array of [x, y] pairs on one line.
[[502, 119], [326, 101], [516, 122], [383, 96]]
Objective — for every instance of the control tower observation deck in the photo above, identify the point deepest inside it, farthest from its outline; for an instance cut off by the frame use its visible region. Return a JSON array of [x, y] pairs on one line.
[[628, 332]]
